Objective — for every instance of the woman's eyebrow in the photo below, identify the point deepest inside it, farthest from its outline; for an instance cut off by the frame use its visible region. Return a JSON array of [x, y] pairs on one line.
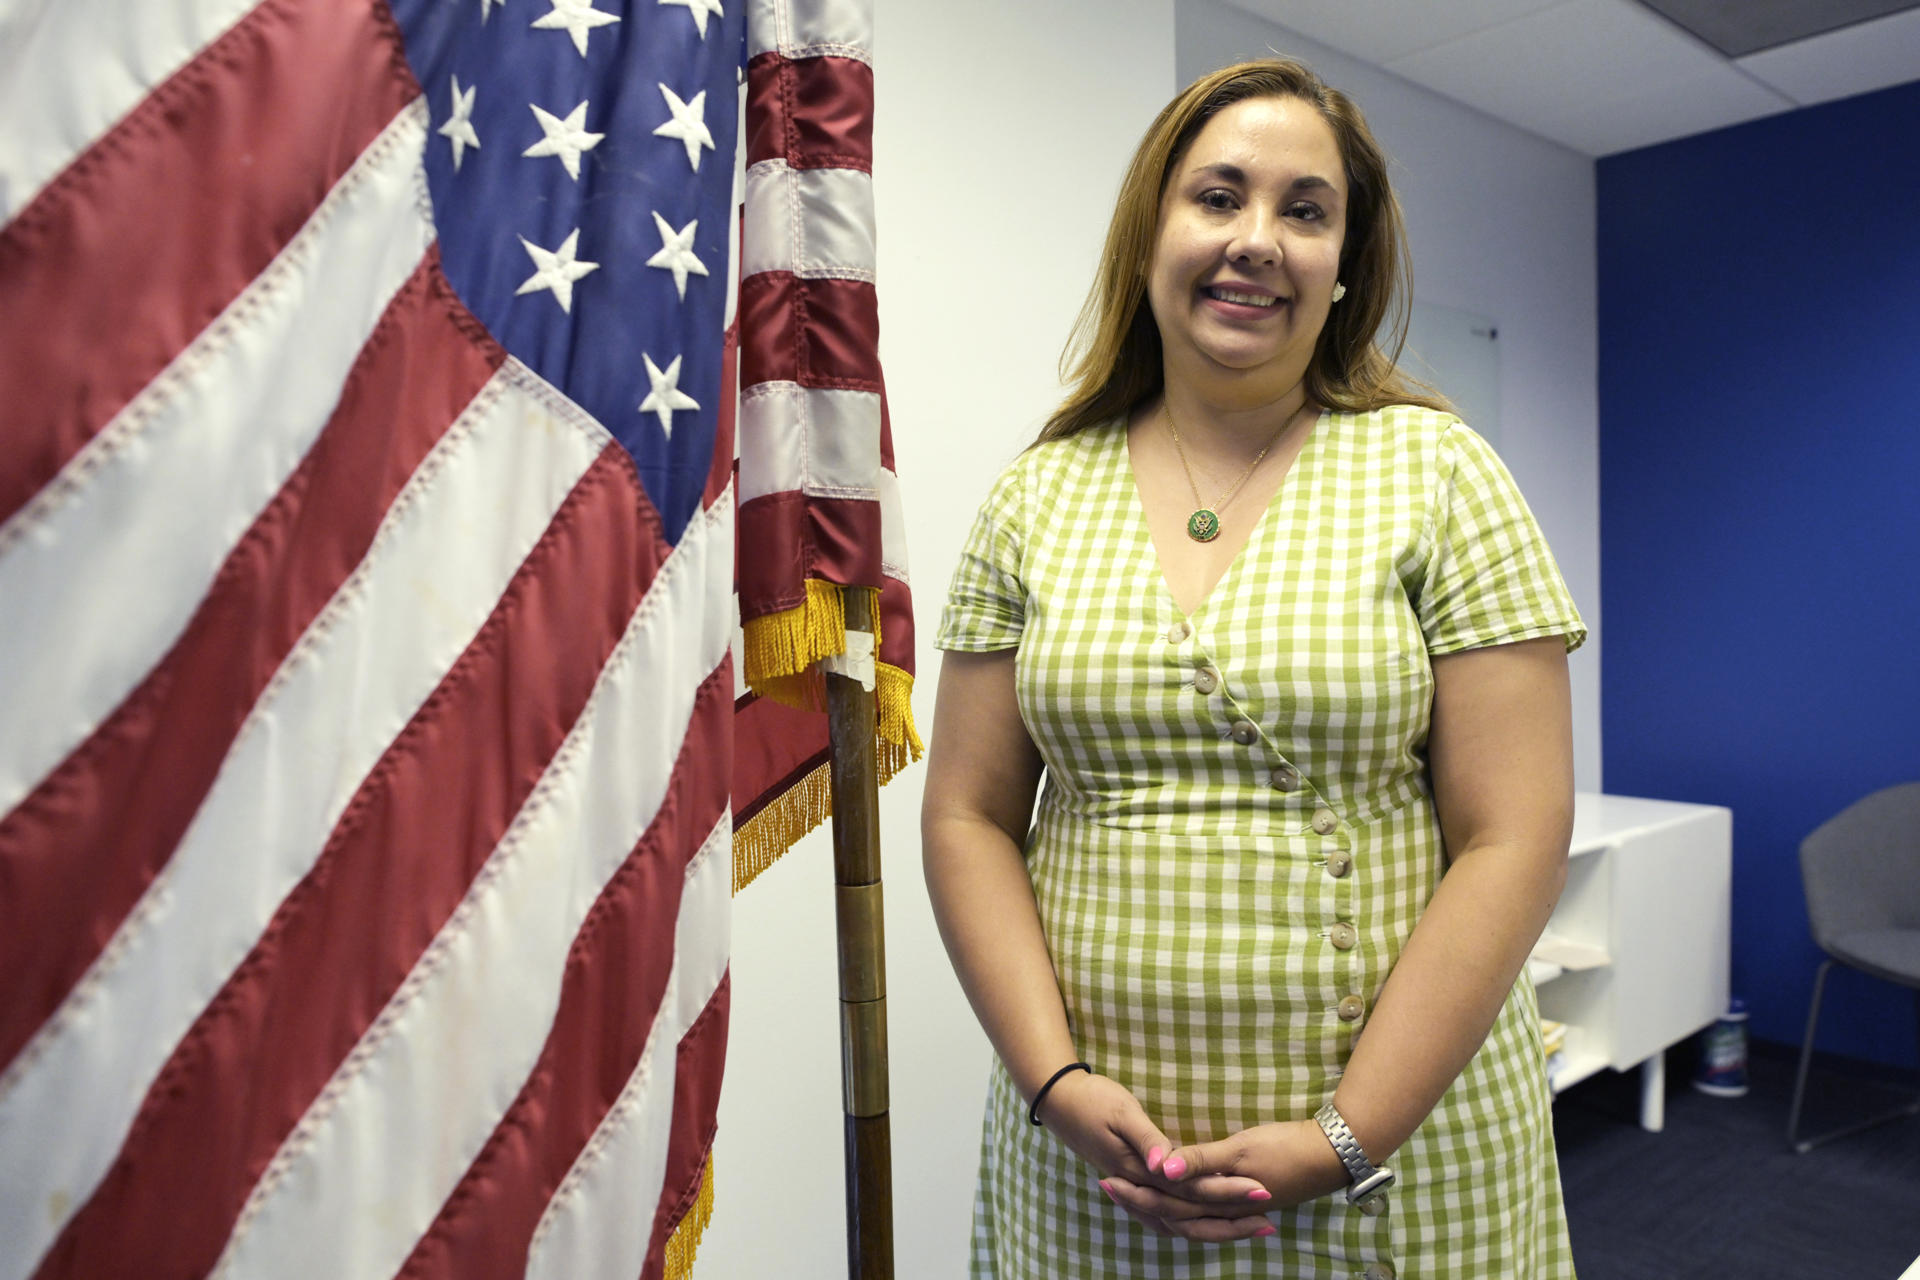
[[1225, 172], [1234, 174]]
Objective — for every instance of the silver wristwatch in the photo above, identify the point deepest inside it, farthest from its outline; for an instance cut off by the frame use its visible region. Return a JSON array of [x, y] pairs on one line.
[[1368, 1192]]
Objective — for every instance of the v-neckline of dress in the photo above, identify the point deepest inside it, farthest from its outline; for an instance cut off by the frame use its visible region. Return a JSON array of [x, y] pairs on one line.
[[1258, 533]]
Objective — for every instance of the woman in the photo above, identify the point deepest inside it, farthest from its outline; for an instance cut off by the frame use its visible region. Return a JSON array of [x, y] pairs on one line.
[[1292, 654]]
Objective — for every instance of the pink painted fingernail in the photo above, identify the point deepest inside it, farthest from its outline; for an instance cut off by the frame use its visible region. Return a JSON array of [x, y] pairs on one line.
[[1154, 1157], [1109, 1190], [1174, 1167], [1259, 1193], [1267, 1230]]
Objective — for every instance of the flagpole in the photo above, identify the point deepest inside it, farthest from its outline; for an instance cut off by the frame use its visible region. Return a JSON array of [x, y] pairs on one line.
[[863, 965]]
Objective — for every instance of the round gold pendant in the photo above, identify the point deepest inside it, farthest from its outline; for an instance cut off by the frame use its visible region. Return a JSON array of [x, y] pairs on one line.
[[1203, 526]]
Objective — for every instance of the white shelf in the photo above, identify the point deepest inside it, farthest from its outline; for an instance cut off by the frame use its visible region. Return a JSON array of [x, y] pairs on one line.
[[1575, 1067], [1600, 821], [1567, 955], [1638, 944]]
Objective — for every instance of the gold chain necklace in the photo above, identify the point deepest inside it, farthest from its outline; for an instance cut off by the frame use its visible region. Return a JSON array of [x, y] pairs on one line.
[[1204, 524]]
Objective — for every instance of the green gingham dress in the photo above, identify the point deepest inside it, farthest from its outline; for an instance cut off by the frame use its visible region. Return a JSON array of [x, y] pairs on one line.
[[1237, 835]]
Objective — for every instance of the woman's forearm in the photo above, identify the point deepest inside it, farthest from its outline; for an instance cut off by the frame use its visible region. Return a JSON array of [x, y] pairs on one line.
[[1442, 998], [982, 773], [984, 905], [1500, 753]]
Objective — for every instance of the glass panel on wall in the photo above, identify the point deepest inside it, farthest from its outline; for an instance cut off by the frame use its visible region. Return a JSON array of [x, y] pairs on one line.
[[1458, 352]]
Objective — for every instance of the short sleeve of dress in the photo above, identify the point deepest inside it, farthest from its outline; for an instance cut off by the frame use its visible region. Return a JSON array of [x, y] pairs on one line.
[[987, 599], [1491, 578]]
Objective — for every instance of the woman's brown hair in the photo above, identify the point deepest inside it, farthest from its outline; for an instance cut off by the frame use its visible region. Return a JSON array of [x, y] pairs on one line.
[[1112, 360]]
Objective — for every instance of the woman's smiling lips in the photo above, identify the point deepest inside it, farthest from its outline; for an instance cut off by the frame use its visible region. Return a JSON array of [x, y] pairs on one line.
[[1241, 300]]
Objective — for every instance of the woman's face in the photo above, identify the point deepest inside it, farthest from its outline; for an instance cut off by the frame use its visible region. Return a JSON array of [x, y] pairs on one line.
[[1248, 247]]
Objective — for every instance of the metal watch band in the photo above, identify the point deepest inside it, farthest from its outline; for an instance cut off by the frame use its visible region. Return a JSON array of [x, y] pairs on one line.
[[1368, 1183]]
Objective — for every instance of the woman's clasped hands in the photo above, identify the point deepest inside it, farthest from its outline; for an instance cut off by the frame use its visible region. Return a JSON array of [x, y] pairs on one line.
[[1213, 1191]]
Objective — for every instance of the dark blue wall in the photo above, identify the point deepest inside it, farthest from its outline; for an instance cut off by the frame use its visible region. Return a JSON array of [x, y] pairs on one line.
[[1760, 506]]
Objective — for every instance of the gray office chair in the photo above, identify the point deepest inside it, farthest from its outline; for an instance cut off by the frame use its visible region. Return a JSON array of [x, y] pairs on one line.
[[1861, 869]]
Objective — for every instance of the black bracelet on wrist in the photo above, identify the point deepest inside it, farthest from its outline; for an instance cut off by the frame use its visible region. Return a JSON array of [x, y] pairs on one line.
[[1033, 1112]]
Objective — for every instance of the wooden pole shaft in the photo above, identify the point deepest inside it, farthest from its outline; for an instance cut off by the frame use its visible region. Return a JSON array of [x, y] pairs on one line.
[[855, 785], [869, 1146]]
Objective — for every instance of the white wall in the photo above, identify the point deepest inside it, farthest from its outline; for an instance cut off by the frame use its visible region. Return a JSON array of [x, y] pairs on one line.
[[1002, 128], [1502, 225], [999, 142]]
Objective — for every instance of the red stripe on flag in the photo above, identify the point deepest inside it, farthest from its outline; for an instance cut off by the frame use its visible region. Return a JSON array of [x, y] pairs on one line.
[[696, 1100], [886, 434], [774, 747], [896, 624], [814, 113], [818, 333], [615, 977], [81, 849], [720, 476], [100, 287], [399, 862], [795, 536]]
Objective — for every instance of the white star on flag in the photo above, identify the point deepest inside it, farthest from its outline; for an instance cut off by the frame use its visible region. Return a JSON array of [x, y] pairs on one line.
[[676, 252], [689, 124], [699, 9], [666, 395], [459, 126], [486, 9], [565, 138], [557, 269], [576, 18]]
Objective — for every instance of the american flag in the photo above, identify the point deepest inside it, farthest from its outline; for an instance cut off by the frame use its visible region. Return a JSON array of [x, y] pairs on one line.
[[367, 557], [819, 501]]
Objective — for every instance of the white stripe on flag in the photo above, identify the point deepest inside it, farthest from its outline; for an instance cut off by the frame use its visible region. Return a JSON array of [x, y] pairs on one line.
[[842, 28], [369, 660], [592, 1228], [893, 528], [812, 222], [107, 573], [127, 47], [386, 1142], [821, 442]]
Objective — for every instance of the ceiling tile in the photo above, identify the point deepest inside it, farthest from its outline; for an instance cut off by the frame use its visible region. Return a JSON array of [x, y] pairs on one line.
[[1873, 55], [1596, 75], [1753, 25], [1379, 31], [1683, 108]]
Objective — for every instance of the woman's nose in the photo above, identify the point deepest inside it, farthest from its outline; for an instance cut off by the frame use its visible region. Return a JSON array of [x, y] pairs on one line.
[[1256, 239]]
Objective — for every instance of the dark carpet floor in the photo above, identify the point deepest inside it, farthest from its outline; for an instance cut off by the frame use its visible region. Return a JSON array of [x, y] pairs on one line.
[[1718, 1194]]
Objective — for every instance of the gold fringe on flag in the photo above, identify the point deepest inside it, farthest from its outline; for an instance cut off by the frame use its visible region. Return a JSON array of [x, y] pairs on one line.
[[759, 842], [899, 744], [685, 1240], [782, 649], [782, 653]]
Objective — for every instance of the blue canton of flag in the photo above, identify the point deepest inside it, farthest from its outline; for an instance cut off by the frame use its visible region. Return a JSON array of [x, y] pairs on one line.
[[580, 158]]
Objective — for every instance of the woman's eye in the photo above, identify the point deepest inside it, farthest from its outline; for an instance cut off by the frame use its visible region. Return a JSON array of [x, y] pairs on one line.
[[1216, 199], [1306, 212]]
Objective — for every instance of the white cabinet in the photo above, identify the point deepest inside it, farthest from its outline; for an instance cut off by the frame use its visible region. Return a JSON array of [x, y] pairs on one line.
[[1635, 956]]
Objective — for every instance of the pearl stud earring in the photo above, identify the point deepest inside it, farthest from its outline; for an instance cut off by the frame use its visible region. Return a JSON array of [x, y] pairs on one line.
[[1339, 291]]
